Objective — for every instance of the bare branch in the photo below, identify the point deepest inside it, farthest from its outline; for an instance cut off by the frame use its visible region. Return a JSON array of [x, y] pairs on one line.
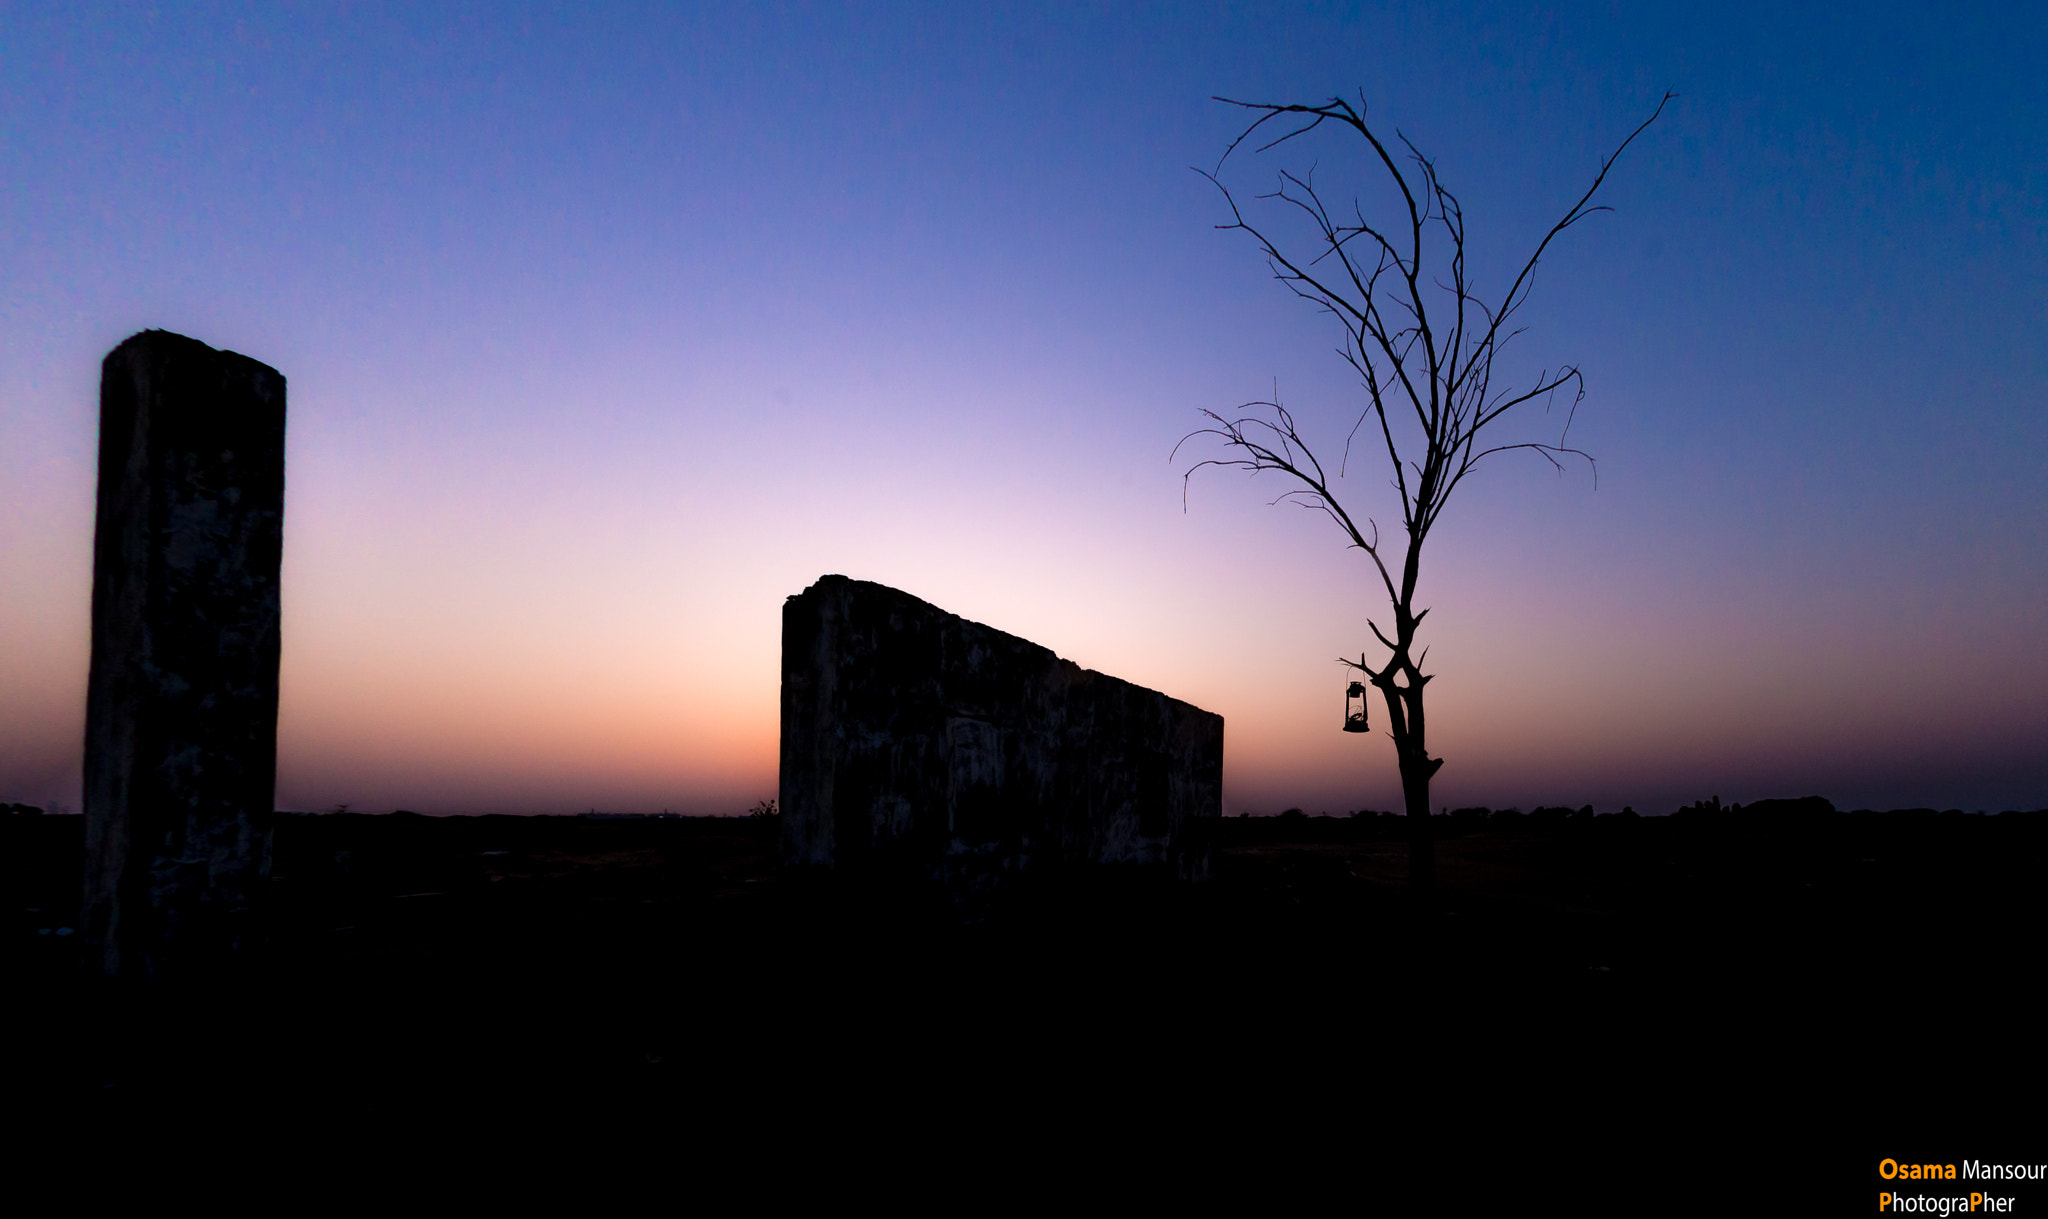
[[1423, 342]]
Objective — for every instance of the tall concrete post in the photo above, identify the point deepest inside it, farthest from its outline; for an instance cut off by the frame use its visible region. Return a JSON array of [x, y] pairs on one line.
[[181, 707]]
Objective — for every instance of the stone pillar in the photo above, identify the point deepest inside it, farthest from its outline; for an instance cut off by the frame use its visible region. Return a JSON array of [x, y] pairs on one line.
[[181, 707]]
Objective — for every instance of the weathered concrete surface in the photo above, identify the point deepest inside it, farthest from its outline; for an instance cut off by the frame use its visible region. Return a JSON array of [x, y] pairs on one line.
[[181, 707], [917, 743]]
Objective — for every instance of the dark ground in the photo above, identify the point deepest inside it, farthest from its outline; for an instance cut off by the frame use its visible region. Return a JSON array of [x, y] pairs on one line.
[[432, 975]]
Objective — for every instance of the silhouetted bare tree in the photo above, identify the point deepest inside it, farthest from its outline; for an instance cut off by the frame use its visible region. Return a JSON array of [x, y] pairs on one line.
[[1425, 343]]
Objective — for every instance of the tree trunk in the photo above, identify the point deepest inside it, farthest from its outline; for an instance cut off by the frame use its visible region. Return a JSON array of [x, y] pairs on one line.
[[1404, 707], [1415, 777]]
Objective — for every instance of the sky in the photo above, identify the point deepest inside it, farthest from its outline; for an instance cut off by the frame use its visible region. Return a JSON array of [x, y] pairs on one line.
[[608, 327]]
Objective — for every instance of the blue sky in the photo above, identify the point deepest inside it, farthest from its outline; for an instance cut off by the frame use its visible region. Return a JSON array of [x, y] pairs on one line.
[[609, 326]]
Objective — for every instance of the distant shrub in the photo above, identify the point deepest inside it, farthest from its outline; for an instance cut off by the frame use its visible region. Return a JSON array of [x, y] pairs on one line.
[[765, 808]]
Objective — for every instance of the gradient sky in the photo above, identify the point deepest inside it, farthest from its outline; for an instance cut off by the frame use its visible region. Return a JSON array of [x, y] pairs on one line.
[[610, 326]]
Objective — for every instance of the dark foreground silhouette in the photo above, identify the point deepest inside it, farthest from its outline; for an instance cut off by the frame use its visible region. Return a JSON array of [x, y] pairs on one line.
[[440, 974]]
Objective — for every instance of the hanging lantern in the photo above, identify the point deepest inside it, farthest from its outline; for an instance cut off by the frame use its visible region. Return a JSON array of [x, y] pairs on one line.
[[1354, 708]]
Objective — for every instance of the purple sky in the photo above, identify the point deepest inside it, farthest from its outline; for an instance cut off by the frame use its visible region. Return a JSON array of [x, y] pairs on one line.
[[608, 327]]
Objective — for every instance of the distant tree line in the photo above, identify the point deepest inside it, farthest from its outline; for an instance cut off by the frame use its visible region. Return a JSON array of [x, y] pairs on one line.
[[1807, 817]]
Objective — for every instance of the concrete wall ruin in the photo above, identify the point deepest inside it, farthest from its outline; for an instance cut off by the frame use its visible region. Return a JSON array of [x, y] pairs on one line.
[[917, 743]]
